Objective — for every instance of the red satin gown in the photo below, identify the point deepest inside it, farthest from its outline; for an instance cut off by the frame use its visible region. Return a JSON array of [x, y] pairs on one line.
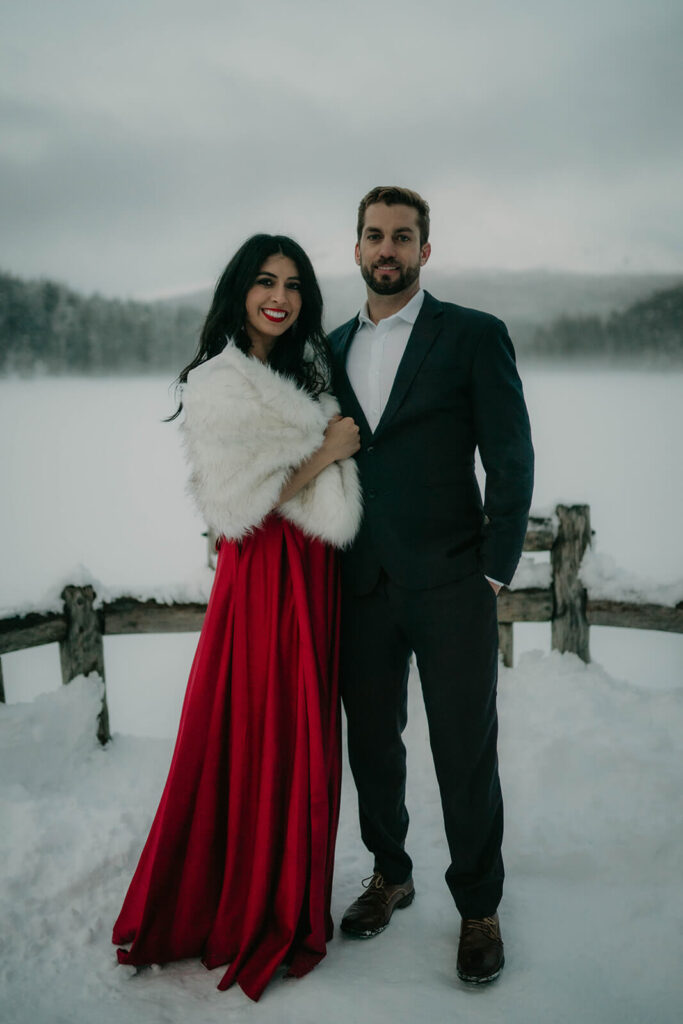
[[237, 868]]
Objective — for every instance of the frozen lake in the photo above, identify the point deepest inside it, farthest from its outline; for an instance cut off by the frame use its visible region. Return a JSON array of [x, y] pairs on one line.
[[93, 483]]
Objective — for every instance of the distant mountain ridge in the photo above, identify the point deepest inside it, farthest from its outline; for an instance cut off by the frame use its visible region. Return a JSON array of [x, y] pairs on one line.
[[525, 299]]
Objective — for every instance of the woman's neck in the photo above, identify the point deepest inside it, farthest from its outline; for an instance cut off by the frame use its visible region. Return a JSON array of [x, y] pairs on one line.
[[261, 348]]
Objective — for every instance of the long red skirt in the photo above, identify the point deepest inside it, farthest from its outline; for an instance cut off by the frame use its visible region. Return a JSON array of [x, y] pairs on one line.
[[237, 868]]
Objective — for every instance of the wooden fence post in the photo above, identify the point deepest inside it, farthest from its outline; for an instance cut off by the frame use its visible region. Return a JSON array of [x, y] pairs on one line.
[[570, 630], [82, 649], [505, 642], [211, 553]]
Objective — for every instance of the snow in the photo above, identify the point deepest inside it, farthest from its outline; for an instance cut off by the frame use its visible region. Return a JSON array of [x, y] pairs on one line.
[[591, 914], [93, 490], [531, 572], [195, 588], [603, 578]]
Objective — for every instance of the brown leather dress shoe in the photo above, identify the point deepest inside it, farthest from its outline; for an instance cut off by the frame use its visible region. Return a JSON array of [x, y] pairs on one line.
[[371, 912], [480, 953]]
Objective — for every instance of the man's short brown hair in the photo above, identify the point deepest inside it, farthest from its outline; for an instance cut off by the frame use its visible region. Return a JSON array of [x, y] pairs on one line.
[[393, 195]]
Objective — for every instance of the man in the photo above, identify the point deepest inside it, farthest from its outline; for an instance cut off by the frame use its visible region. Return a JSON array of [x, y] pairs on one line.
[[428, 382]]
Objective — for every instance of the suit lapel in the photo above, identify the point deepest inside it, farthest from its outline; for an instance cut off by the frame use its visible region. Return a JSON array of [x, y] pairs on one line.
[[423, 335], [345, 393]]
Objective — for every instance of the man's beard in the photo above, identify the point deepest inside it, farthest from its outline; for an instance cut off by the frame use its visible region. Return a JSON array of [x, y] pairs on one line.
[[392, 285]]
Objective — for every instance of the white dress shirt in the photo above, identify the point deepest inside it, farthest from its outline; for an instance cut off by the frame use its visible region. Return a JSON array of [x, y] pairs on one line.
[[374, 356]]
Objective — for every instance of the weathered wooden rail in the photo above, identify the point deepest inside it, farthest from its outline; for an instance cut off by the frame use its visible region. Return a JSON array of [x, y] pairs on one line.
[[80, 627]]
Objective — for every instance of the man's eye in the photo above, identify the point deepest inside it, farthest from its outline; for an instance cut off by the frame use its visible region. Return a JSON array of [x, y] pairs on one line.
[[404, 238]]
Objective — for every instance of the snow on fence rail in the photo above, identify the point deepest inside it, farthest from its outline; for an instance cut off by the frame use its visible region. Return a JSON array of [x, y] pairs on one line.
[[566, 603]]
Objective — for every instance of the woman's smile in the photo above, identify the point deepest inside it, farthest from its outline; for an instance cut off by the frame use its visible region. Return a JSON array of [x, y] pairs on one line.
[[275, 316]]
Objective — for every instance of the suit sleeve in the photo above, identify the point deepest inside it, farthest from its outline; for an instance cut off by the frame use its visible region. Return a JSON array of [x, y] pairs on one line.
[[504, 440]]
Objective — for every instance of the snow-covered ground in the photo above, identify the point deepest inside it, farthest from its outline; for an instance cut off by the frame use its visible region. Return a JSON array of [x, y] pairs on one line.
[[591, 916], [591, 766]]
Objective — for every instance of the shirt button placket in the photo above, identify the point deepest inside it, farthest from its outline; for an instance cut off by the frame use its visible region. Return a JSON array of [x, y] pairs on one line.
[[375, 374]]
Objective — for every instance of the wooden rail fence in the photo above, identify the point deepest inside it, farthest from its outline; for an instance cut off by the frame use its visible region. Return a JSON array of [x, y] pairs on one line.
[[80, 627]]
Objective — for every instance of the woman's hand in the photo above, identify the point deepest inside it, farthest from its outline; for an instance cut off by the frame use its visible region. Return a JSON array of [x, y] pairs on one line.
[[342, 438], [341, 441]]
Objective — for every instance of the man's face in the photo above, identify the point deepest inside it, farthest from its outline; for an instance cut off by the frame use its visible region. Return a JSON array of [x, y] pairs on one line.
[[389, 253]]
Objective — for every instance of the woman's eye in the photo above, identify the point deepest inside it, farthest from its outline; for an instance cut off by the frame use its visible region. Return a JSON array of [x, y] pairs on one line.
[[295, 286], [266, 282]]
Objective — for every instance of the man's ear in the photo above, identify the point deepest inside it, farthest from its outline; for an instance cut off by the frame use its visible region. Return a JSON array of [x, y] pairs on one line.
[[425, 253], [357, 253]]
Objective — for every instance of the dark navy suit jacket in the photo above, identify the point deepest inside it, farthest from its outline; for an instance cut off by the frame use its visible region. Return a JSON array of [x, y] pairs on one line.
[[456, 389]]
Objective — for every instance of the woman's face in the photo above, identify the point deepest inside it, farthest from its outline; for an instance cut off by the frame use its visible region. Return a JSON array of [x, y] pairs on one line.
[[273, 302]]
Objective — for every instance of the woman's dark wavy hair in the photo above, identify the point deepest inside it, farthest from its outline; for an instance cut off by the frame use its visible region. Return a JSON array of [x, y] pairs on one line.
[[302, 352]]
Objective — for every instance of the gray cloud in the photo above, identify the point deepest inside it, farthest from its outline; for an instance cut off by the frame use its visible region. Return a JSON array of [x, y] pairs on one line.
[[142, 142]]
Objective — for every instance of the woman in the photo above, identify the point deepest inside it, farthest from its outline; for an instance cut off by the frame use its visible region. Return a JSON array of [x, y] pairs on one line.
[[237, 868]]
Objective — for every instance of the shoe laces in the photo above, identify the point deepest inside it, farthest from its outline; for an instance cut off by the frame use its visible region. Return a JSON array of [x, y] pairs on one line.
[[374, 888], [487, 925]]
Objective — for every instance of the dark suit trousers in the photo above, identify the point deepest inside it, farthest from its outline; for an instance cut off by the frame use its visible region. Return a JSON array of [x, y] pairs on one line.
[[453, 631]]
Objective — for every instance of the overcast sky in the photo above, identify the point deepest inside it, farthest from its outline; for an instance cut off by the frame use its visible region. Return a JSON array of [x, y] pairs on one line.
[[141, 142]]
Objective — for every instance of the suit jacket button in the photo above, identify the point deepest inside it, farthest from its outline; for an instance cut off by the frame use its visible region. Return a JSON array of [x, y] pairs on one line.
[[370, 448], [372, 494]]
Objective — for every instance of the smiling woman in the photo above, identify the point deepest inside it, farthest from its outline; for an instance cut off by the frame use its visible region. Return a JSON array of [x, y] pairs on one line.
[[237, 868], [269, 272], [273, 304]]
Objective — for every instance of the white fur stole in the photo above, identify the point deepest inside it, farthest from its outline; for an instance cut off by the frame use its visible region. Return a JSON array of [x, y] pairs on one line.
[[246, 428]]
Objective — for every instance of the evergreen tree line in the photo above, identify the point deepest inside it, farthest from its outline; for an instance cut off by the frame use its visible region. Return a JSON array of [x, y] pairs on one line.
[[651, 328], [48, 328]]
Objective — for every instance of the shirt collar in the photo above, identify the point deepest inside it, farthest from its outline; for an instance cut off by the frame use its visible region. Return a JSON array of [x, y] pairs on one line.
[[408, 312]]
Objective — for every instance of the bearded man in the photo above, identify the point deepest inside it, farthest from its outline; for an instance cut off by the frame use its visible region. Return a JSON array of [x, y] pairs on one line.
[[428, 383]]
